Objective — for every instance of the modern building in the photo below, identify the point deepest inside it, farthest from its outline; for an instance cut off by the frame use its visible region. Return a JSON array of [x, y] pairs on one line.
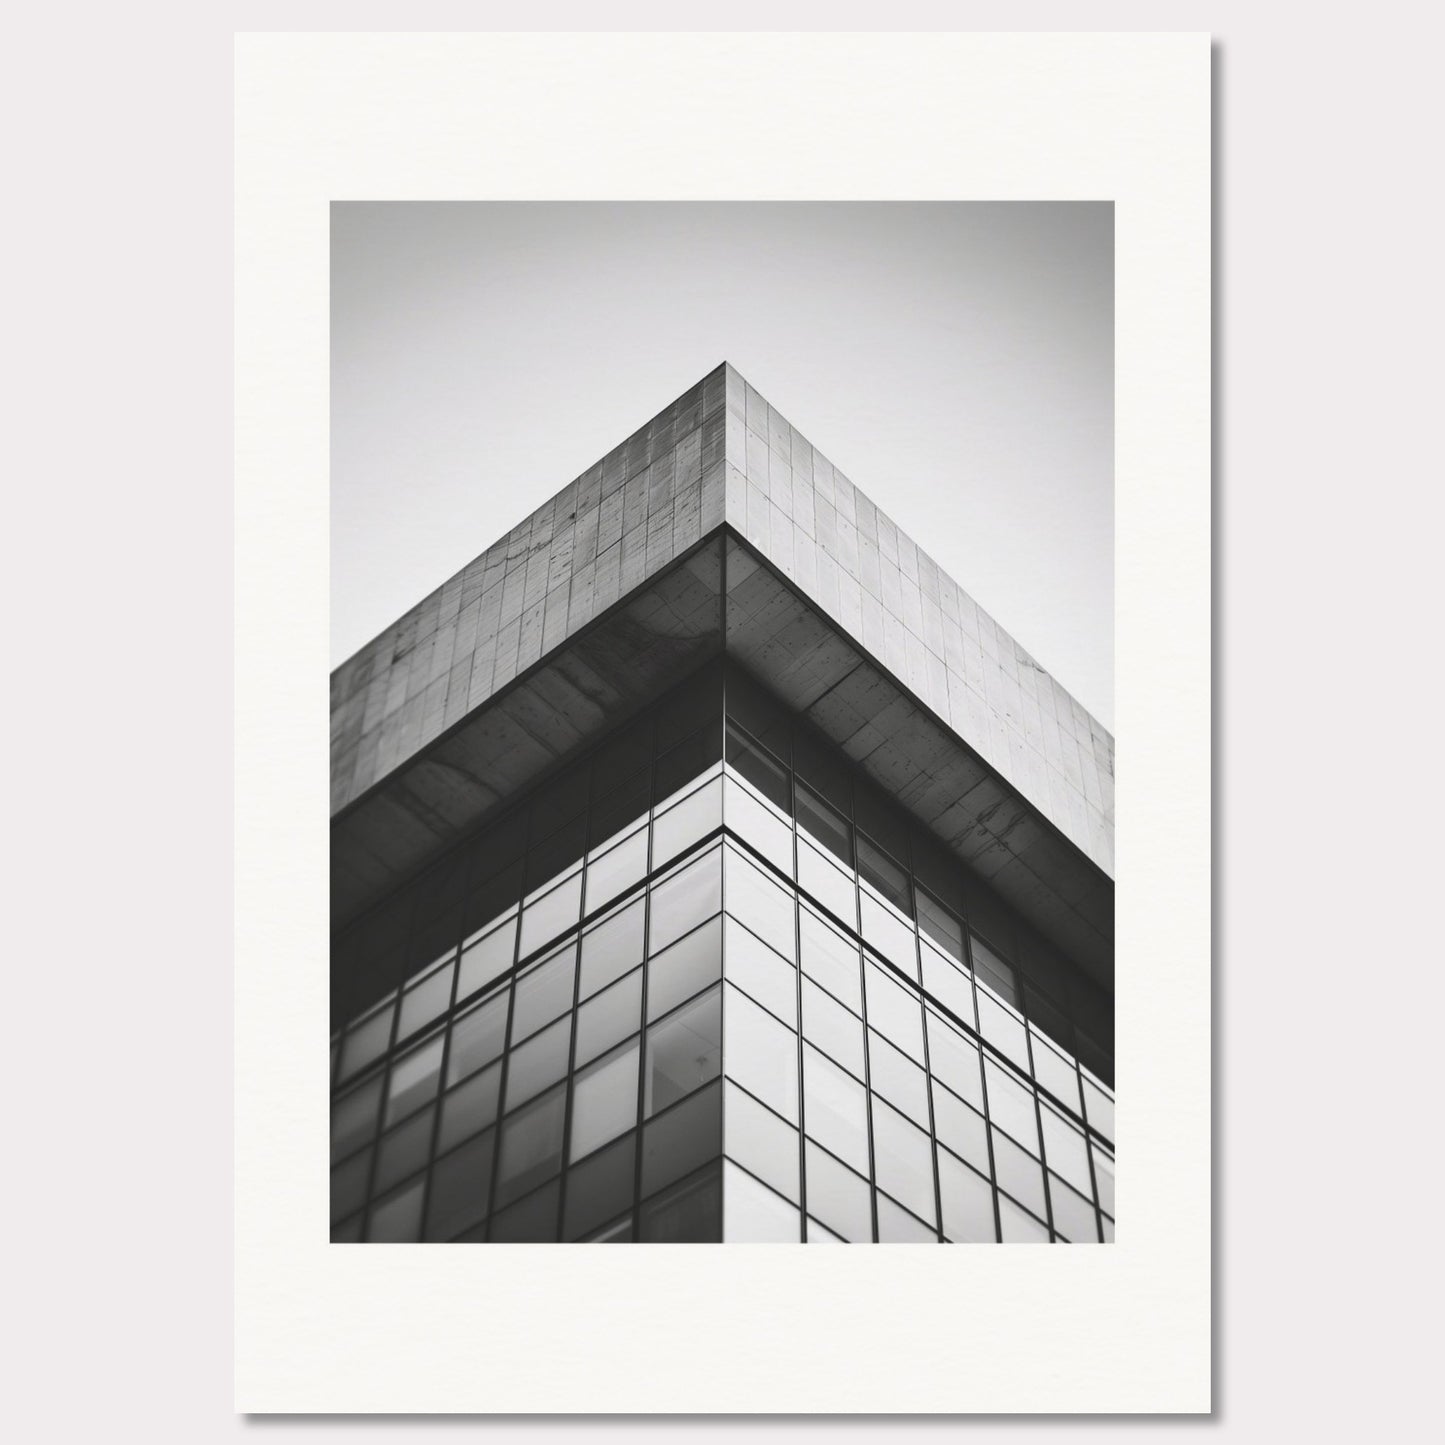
[[708, 866]]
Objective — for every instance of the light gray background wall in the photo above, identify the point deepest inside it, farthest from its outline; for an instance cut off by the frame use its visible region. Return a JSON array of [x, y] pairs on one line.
[[955, 360]]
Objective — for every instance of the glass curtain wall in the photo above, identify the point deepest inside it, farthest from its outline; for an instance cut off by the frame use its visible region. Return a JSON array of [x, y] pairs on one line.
[[694, 990]]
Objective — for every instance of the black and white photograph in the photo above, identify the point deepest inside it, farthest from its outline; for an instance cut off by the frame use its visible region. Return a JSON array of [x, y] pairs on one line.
[[722, 766]]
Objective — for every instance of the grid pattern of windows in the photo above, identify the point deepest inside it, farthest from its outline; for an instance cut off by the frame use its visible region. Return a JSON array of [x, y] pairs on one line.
[[712, 999]]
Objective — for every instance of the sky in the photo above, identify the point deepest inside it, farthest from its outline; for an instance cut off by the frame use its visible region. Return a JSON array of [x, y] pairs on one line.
[[953, 359]]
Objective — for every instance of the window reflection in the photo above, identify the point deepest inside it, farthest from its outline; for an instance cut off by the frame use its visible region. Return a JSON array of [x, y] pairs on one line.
[[835, 1106], [754, 1214], [762, 1054], [531, 1145], [604, 1101], [487, 959], [543, 992], [685, 899], [760, 1141], [684, 968], [689, 1213], [766, 909], [683, 1052], [611, 948], [413, 1080], [967, 1202], [753, 967], [831, 960], [838, 1197], [902, 1159]]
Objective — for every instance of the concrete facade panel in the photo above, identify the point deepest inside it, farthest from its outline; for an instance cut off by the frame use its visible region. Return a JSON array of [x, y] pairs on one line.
[[721, 453]]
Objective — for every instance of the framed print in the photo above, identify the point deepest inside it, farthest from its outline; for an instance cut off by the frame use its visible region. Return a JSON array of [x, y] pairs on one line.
[[709, 867]]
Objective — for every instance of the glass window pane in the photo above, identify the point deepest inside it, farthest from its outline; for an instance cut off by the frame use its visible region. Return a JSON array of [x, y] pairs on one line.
[[940, 924], [397, 1220], [684, 968], [543, 993], [414, 1079], [470, 1107], [1074, 1216], [757, 901], [829, 1025], [477, 1037], [696, 703], [898, 1226], [763, 828], [1065, 1151], [903, 1159], [623, 805], [612, 948], [622, 754], [896, 1013], [553, 859], [824, 825], [678, 1141], [955, 1060], [367, 1041], [348, 1184], [354, 1118], [835, 1109], [459, 1187], [830, 959], [839, 1198], [688, 760], [604, 1100], [888, 934], [898, 1079], [759, 972], [539, 1063], [758, 768], [827, 883], [1055, 1072], [997, 974], [967, 1202], [1011, 1106], [616, 870], [427, 1000], [686, 822], [347, 1233], [487, 959], [1018, 1173], [682, 1052], [1018, 1226], [960, 1128], [762, 1054], [609, 1018], [883, 873], [817, 1234], [531, 1146], [1100, 1109], [404, 1150], [1005, 1031], [1103, 1178], [949, 984], [601, 1187], [553, 913], [690, 1213], [683, 900], [753, 1214], [760, 1141], [532, 1220]]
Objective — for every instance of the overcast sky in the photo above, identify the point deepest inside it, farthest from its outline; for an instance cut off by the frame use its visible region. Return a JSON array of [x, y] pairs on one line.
[[954, 360]]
